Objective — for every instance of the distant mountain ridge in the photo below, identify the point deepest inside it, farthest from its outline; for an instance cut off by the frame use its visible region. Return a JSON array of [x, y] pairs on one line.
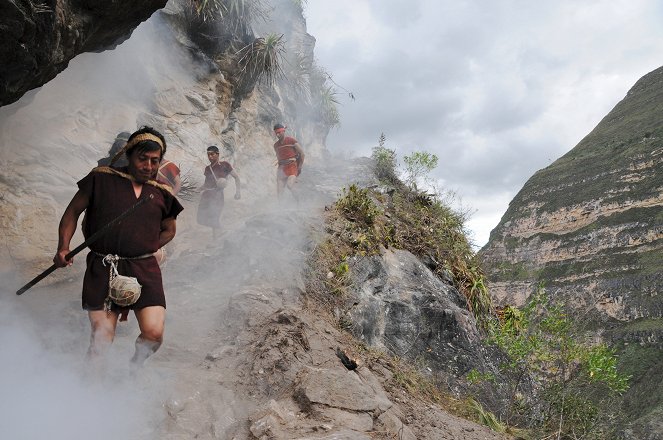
[[590, 227]]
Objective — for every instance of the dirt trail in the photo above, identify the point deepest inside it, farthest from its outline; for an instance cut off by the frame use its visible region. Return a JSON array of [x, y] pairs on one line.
[[242, 358], [222, 292]]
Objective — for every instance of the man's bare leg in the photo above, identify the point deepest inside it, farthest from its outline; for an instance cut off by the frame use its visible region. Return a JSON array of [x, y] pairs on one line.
[[151, 321], [103, 326], [290, 182], [280, 185]]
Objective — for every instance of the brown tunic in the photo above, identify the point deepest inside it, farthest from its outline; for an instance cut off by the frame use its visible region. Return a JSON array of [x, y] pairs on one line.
[[109, 196], [211, 199]]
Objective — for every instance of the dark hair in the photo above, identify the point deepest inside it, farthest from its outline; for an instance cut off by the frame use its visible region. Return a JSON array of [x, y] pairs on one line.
[[147, 145], [213, 148], [277, 126]]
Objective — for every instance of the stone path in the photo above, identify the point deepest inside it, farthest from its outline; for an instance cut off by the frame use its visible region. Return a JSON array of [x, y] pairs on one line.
[[242, 357]]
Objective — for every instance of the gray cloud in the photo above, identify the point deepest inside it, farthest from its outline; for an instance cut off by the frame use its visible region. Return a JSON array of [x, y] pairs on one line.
[[498, 90]]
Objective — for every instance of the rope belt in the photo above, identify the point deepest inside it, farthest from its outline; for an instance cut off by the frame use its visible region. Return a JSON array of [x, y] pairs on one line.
[[287, 161], [110, 257]]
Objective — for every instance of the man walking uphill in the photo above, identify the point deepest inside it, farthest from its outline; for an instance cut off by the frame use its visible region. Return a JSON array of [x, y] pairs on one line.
[[290, 158], [127, 248]]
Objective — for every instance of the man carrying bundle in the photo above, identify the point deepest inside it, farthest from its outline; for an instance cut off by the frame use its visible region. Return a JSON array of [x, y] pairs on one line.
[[127, 249], [212, 199]]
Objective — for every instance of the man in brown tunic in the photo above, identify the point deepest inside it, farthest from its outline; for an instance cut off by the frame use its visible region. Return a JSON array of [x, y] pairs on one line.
[[104, 194], [212, 199]]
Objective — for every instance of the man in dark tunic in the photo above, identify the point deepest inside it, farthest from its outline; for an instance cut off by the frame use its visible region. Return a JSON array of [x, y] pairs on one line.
[[212, 199], [104, 194]]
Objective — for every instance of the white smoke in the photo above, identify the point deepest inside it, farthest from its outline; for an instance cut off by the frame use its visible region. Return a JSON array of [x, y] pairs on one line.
[[51, 139]]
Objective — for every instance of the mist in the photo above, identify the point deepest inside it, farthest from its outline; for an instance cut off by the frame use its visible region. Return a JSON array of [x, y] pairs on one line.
[[50, 139]]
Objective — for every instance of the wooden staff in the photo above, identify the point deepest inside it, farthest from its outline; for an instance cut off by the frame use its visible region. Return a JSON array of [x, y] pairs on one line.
[[94, 237]]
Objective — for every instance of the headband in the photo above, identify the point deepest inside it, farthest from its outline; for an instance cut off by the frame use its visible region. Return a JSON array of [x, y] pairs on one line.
[[136, 140]]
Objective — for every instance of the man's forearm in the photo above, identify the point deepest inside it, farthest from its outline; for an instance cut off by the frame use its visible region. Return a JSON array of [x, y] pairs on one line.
[[165, 237], [168, 230], [66, 230], [67, 227]]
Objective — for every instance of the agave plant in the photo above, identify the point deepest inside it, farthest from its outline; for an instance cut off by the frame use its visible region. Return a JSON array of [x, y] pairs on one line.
[[209, 9], [240, 14], [262, 59], [327, 106], [298, 72], [237, 14]]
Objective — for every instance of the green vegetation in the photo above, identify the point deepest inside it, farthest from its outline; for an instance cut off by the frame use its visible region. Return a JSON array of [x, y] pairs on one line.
[[236, 15], [417, 167], [364, 220], [384, 160], [356, 205], [327, 106], [298, 69], [645, 364], [261, 60], [487, 418], [579, 381]]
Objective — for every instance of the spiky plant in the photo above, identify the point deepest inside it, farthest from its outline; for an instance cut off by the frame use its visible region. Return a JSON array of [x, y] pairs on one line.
[[209, 9], [298, 71], [327, 106], [189, 190], [240, 14], [236, 14], [261, 60]]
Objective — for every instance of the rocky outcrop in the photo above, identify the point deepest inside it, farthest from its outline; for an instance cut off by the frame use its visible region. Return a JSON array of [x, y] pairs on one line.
[[399, 306], [590, 227], [38, 39]]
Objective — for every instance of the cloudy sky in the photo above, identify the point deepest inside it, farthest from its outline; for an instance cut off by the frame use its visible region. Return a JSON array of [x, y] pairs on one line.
[[496, 89]]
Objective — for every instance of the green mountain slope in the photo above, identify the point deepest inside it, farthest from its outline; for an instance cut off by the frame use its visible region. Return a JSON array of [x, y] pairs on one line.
[[590, 226]]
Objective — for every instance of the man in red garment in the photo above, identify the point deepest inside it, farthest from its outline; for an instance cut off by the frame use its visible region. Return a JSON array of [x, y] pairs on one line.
[[212, 199], [104, 194], [290, 158]]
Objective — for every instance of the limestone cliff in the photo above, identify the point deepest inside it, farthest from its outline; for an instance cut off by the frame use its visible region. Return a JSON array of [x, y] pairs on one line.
[[590, 227]]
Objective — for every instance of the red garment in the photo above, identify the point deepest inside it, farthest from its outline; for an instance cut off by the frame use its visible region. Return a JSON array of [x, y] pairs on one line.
[[110, 195], [289, 169], [287, 156], [167, 173], [285, 149]]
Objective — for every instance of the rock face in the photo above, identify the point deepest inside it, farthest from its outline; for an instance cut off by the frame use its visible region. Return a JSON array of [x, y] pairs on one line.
[[158, 77], [400, 306], [38, 39], [590, 226]]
